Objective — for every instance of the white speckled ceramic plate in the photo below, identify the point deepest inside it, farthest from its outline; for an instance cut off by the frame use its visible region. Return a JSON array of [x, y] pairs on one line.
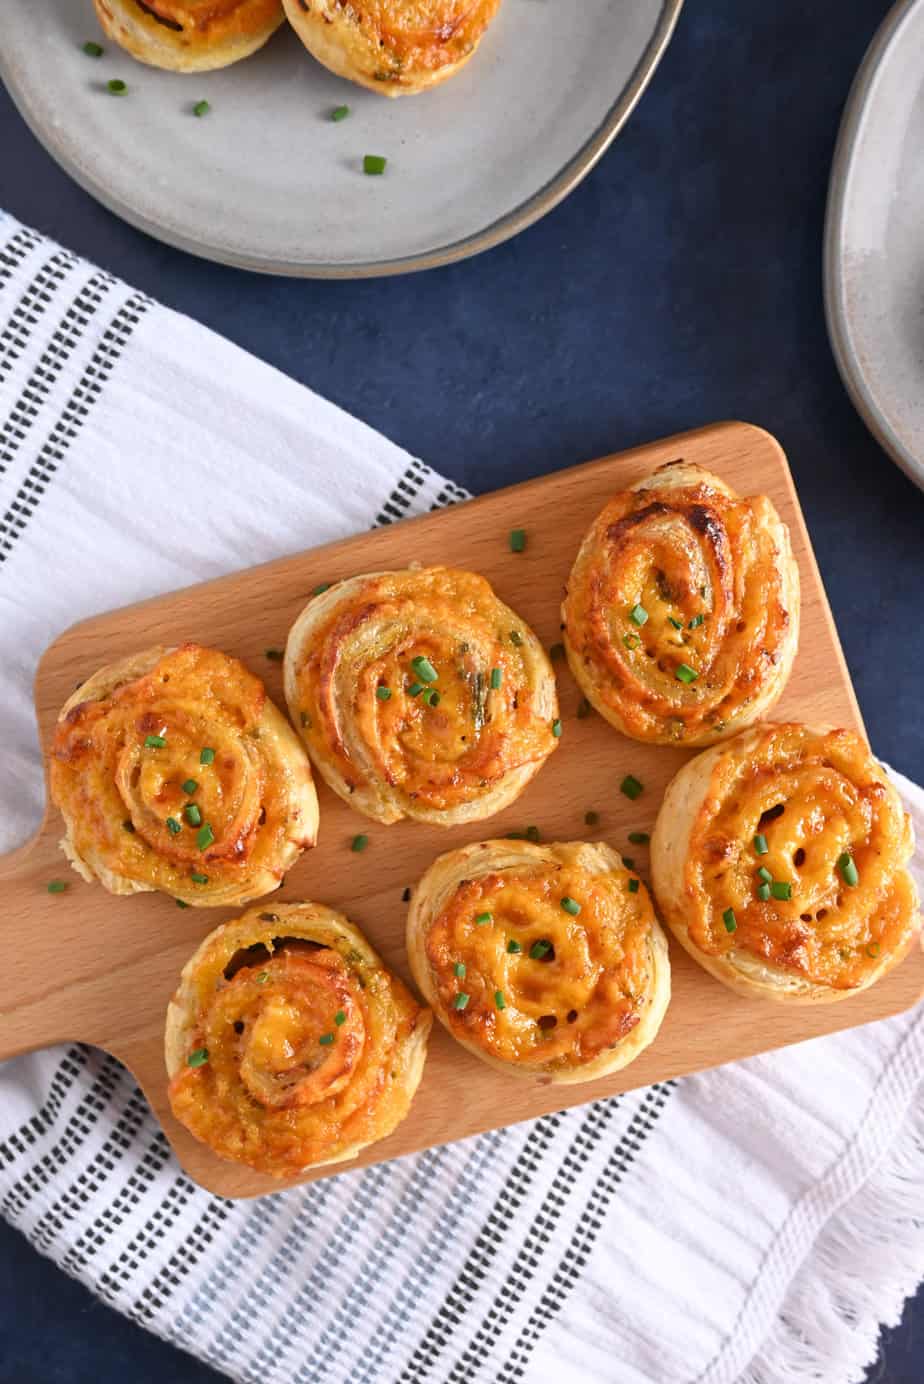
[[267, 181], [874, 239]]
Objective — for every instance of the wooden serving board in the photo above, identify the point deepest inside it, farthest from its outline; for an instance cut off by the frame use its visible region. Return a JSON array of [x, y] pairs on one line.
[[98, 969]]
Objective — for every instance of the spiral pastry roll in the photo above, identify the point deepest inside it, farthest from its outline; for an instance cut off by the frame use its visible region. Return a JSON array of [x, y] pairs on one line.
[[778, 860], [395, 47], [189, 35], [288, 1043], [681, 617], [174, 771], [545, 961], [419, 694]]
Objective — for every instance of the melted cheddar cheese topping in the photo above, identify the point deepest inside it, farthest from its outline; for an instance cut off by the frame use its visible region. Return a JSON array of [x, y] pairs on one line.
[[214, 20]]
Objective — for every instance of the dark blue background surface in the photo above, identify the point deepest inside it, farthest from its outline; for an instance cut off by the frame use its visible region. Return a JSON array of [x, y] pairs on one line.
[[678, 285]]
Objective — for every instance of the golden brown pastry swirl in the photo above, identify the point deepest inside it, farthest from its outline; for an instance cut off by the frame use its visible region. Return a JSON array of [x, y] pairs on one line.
[[779, 861], [189, 35], [682, 611]]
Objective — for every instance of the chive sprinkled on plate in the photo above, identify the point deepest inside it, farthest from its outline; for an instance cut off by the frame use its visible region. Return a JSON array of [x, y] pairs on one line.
[[696, 622], [638, 615], [482, 918], [198, 1058], [383, 694], [760, 844], [516, 639], [56, 886], [274, 655], [633, 886], [541, 948], [556, 729], [631, 787], [729, 919], [206, 756], [571, 905], [326, 1039], [201, 108], [459, 969], [93, 50], [155, 742], [181, 903], [199, 879], [763, 891], [424, 668], [374, 164], [190, 786], [628, 862], [431, 696], [684, 673], [499, 999], [764, 874], [513, 946], [339, 113], [781, 889], [192, 814], [496, 677], [116, 87], [678, 624], [631, 641], [849, 873], [321, 587], [517, 540], [557, 652], [415, 689], [173, 826], [591, 819], [204, 836], [262, 978], [639, 838], [461, 1000], [359, 843]]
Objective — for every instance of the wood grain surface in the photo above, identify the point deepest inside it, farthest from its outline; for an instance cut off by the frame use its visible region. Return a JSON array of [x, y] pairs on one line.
[[90, 967]]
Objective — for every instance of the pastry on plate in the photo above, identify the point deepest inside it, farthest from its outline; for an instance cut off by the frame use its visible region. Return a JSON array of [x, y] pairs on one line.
[[174, 771], [190, 35], [394, 47], [544, 961], [288, 1043], [779, 861], [681, 616], [420, 694]]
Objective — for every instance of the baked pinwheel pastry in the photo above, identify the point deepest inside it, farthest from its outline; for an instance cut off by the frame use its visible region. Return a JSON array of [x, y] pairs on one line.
[[778, 861], [392, 46], [190, 35], [545, 961], [174, 771], [681, 619], [420, 694], [288, 1043]]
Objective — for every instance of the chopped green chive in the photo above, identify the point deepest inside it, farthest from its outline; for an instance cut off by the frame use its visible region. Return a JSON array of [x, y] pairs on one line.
[[93, 50], [684, 673], [873, 949], [781, 889], [383, 694], [517, 540], [359, 843], [199, 879], [56, 886], [321, 587], [591, 819], [374, 164], [424, 669], [262, 978], [696, 622], [155, 742], [638, 615], [628, 862], [532, 834], [639, 838], [274, 655], [848, 869], [678, 624], [631, 641], [339, 113], [496, 676], [631, 787], [556, 729], [513, 946], [198, 1058], [116, 86], [583, 709], [192, 814], [190, 786], [516, 836], [415, 689], [181, 903], [499, 999], [764, 874], [540, 949], [571, 905], [201, 108], [728, 918], [461, 1000], [482, 918], [459, 969], [760, 844], [557, 652], [326, 1039], [516, 639], [173, 826], [206, 756], [763, 891], [431, 697], [204, 836], [633, 886]]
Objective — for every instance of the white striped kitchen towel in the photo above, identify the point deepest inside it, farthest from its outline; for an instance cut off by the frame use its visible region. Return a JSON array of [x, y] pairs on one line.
[[754, 1223]]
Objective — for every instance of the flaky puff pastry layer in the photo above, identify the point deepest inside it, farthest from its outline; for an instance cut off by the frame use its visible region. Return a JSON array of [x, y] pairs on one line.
[[522, 982], [215, 814], [190, 35], [796, 803], [394, 47], [392, 739], [682, 611], [288, 1043]]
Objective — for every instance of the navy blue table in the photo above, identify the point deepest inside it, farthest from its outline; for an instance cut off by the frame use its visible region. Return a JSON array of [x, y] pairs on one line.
[[680, 284]]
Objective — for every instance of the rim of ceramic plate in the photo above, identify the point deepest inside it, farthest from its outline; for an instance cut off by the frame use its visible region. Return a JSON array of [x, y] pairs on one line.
[[840, 333], [506, 226]]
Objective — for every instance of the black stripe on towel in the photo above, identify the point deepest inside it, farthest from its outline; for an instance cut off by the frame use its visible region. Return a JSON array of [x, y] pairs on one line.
[[15, 251], [30, 308], [21, 1142], [184, 1258], [399, 501]]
